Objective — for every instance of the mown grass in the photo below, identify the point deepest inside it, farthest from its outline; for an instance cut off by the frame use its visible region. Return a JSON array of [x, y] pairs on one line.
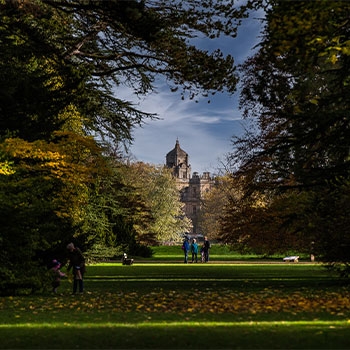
[[218, 252], [177, 306]]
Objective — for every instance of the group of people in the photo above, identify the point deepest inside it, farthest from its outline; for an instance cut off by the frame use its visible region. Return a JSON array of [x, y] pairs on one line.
[[193, 248], [76, 263]]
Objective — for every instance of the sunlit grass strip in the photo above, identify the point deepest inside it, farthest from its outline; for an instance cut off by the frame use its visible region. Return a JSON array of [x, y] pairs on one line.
[[137, 279], [214, 264], [149, 324]]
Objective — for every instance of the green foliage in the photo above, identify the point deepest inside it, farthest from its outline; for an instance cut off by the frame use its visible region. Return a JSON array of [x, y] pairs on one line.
[[142, 40], [162, 218], [214, 203], [42, 200], [297, 159], [78, 53], [140, 250], [62, 64], [100, 252], [330, 227]]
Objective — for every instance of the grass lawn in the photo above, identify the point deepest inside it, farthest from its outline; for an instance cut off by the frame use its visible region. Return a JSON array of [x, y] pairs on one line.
[[177, 306], [218, 252]]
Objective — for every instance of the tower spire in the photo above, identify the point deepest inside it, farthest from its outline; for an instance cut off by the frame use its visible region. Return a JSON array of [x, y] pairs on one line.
[[177, 159]]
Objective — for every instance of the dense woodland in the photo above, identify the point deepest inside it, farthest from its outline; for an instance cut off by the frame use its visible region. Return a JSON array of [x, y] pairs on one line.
[[290, 171], [64, 175]]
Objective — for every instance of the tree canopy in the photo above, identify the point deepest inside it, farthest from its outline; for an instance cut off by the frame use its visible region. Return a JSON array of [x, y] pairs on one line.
[[79, 51], [296, 90], [62, 63]]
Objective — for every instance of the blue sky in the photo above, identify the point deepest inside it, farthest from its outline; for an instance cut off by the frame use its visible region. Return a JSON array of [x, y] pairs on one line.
[[203, 130]]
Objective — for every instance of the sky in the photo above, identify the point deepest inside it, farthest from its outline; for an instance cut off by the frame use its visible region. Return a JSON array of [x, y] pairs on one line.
[[204, 130]]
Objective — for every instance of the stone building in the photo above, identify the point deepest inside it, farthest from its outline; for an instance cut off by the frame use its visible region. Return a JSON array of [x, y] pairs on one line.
[[192, 187]]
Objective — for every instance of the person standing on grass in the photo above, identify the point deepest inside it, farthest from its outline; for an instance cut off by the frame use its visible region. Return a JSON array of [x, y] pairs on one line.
[[206, 248], [202, 254], [194, 250], [186, 249], [77, 262]]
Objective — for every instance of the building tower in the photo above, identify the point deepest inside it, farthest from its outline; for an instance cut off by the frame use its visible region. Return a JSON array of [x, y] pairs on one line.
[[191, 188], [177, 160]]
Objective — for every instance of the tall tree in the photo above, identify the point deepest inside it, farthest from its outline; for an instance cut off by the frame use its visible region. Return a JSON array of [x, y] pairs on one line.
[[214, 203], [79, 51], [157, 188], [61, 63], [296, 90], [42, 202]]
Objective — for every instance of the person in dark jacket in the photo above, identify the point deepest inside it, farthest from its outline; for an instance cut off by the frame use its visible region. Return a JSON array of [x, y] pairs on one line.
[[186, 249], [206, 247], [77, 262]]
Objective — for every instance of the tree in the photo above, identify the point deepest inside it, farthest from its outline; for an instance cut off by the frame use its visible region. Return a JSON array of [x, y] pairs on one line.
[[158, 191], [142, 207], [61, 62], [214, 203], [296, 89], [80, 51], [42, 202]]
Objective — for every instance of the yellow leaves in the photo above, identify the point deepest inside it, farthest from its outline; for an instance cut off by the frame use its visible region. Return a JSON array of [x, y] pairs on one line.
[[54, 81], [223, 301], [64, 169], [6, 168], [72, 157], [73, 120], [346, 48], [319, 40], [331, 49], [259, 201], [308, 30], [333, 58], [335, 51], [38, 150]]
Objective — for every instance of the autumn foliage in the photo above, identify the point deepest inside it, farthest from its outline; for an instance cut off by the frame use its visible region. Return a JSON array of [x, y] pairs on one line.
[[296, 157], [65, 131]]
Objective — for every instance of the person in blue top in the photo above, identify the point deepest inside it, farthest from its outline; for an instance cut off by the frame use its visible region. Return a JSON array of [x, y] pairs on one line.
[[186, 249], [194, 250]]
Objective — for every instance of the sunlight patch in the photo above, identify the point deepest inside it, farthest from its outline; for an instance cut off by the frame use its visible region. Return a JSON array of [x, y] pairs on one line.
[[167, 324]]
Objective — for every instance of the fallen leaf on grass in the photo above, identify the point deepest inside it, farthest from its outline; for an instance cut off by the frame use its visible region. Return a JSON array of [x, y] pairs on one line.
[[216, 302]]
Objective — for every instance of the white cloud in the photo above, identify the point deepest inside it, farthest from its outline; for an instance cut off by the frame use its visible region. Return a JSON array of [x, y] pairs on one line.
[[204, 129], [203, 134]]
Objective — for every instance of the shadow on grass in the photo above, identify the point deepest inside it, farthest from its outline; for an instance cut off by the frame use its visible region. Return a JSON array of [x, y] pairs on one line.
[[160, 306], [245, 335]]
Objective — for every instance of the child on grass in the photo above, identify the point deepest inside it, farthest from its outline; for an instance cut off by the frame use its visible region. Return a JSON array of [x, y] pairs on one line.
[[56, 275]]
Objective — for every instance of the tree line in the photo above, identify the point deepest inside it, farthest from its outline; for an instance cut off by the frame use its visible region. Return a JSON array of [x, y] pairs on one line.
[[287, 187], [64, 174], [63, 131]]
